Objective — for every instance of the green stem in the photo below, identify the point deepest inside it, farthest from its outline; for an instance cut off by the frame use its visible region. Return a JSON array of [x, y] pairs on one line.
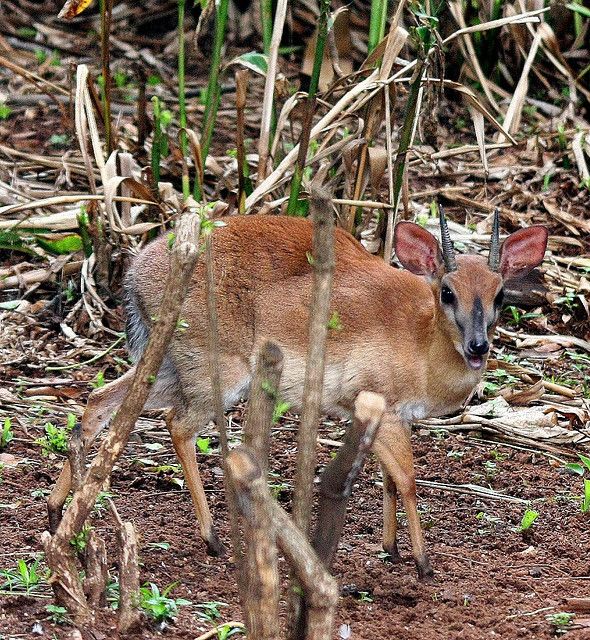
[[82, 218], [406, 134], [266, 17], [157, 142], [377, 23], [311, 100], [182, 96], [213, 88], [106, 7]]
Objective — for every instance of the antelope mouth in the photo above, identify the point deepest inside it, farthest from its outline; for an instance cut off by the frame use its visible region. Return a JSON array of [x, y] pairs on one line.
[[475, 362]]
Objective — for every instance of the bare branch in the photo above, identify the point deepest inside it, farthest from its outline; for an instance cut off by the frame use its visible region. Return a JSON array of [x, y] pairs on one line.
[[323, 264], [340, 475], [215, 373], [320, 587], [59, 551], [263, 397], [260, 577]]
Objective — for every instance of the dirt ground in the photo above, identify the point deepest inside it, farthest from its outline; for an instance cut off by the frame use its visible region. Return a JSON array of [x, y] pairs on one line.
[[490, 579]]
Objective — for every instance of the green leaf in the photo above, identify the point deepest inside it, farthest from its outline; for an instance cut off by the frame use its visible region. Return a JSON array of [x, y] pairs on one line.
[[586, 499], [204, 445], [159, 545], [11, 241], [68, 244], [254, 61], [335, 323], [528, 519], [280, 409], [9, 305], [585, 460], [5, 111], [578, 8], [574, 467]]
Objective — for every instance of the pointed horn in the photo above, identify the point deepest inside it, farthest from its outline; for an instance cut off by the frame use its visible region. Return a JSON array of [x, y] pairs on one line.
[[494, 257], [447, 245]]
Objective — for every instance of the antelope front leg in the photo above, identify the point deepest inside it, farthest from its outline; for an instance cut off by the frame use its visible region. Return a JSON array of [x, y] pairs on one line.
[[393, 448], [389, 516], [183, 435]]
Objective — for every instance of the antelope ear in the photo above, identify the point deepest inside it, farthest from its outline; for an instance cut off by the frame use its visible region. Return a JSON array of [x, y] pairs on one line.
[[417, 249], [522, 251]]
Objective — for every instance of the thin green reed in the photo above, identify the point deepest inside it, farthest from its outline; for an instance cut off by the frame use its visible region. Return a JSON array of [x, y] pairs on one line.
[[213, 88], [182, 96], [293, 206]]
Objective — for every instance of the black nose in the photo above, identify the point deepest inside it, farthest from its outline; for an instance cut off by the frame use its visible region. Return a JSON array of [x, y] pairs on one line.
[[478, 347]]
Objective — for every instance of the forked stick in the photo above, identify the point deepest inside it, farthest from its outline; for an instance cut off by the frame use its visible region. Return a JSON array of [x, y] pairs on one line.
[[59, 551], [259, 578], [340, 475], [319, 314], [320, 587]]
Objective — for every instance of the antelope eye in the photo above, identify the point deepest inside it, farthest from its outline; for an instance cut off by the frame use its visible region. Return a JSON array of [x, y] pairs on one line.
[[499, 299], [447, 296]]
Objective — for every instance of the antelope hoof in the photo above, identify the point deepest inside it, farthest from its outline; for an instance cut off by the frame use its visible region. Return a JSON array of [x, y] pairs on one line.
[[424, 568], [215, 547], [394, 554]]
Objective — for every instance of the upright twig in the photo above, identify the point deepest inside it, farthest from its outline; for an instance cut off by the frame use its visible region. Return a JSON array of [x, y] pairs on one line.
[[319, 586], [142, 116], [215, 374], [259, 572], [241, 89], [323, 264], [59, 552], [405, 140], [323, 261], [128, 573], [213, 87], [182, 99], [157, 143], [106, 11], [292, 207], [372, 119], [269, 86]]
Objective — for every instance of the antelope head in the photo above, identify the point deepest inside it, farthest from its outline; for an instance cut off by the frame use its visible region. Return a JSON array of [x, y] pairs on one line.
[[469, 289]]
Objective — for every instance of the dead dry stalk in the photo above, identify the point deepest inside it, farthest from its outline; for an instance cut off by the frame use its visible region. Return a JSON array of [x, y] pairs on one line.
[[259, 573], [340, 475], [59, 552], [320, 587], [215, 373], [129, 614], [323, 261], [323, 264]]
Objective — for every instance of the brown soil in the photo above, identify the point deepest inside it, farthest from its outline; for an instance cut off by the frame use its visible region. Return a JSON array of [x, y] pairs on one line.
[[491, 580]]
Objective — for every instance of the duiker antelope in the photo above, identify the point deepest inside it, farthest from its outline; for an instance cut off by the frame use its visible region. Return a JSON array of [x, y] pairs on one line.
[[420, 337]]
